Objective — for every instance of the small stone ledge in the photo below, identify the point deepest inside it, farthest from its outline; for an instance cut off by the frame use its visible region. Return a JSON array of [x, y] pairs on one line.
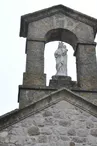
[[62, 81], [9, 113], [36, 87], [53, 98], [86, 91], [42, 88]]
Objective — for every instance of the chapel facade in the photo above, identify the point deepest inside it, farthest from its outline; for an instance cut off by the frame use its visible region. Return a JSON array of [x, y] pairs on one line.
[[65, 112]]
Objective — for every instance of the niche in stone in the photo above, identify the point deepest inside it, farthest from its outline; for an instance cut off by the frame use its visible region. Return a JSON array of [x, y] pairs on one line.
[[54, 66]]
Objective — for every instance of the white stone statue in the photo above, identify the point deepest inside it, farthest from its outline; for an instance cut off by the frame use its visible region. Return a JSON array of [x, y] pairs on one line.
[[61, 60]]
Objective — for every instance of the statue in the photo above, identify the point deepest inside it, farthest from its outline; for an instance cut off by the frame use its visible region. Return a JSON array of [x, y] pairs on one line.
[[61, 60]]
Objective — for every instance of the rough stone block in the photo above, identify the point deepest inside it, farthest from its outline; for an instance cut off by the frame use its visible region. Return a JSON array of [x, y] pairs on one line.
[[42, 139], [33, 131], [94, 132], [47, 113], [64, 123], [71, 132]]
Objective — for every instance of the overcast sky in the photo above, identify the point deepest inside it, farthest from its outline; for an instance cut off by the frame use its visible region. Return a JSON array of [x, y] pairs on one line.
[[12, 47]]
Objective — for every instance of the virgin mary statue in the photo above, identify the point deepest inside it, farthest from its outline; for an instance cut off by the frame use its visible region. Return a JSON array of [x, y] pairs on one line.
[[61, 60]]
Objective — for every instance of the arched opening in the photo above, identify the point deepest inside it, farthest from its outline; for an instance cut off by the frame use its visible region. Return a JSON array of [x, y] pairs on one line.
[[52, 38], [63, 35], [50, 63]]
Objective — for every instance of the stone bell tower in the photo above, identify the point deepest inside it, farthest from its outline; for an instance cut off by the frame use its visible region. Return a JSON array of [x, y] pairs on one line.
[[63, 24], [65, 112]]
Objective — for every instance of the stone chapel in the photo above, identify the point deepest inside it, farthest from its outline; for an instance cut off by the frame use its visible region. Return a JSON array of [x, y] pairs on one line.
[[65, 112]]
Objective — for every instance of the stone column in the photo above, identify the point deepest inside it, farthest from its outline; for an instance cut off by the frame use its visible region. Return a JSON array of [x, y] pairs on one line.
[[86, 66], [34, 74]]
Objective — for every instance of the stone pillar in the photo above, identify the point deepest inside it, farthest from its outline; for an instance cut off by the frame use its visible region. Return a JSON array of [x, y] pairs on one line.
[[86, 66], [34, 74]]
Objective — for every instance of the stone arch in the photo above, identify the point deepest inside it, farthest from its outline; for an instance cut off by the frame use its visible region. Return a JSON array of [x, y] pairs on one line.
[[50, 62], [63, 35], [52, 24]]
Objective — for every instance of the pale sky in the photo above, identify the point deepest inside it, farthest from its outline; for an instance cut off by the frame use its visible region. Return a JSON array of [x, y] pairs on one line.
[[12, 47]]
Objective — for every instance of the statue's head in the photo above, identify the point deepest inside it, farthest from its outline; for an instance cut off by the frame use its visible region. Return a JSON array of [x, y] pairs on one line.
[[61, 45], [61, 51]]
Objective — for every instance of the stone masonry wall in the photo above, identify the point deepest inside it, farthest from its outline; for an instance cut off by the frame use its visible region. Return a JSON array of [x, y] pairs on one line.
[[27, 96], [38, 29], [89, 96], [61, 124]]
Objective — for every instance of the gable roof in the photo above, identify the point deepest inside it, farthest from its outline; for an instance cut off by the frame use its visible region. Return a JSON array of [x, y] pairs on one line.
[[49, 100], [28, 18]]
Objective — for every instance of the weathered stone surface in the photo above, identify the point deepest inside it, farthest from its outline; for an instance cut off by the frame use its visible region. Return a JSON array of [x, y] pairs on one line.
[[65, 123], [77, 144], [4, 145], [90, 96], [89, 124], [52, 121], [46, 131], [79, 140], [86, 68], [82, 133], [64, 138], [47, 113], [61, 130], [91, 140], [30, 95], [71, 132], [94, 119], [49, 121], [42, 139], [61, 81], [72, 144], [4, 134], [33, 131], [61, 94], [54, 131], [39, 121], [78, 124], [94, 132]]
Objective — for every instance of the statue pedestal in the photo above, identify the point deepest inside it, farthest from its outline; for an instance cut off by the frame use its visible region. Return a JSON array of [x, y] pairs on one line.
[[60, 81]]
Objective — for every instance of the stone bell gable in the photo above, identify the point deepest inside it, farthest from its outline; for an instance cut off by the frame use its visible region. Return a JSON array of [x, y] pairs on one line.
[[59, 9], [60, 23], [65, 112]]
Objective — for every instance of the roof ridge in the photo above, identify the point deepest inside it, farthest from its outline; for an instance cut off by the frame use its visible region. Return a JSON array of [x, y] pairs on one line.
[[49, 100]]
